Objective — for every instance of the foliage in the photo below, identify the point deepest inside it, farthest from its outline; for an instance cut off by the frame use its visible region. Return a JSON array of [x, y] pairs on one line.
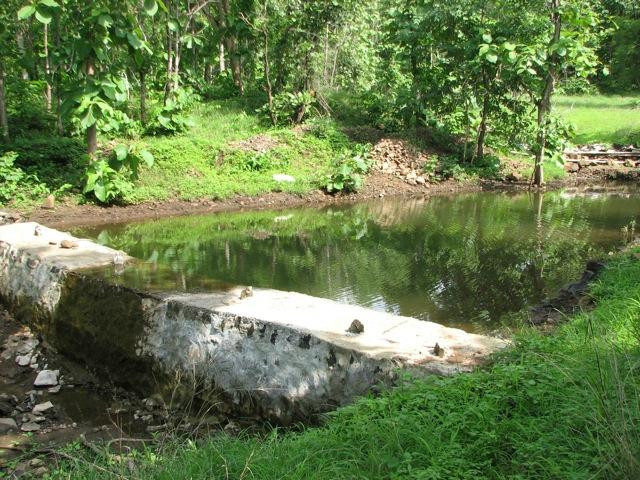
[[112, 180], [13, 180], [349, 170], [290, 108], [39, 149], [625, 56], [169, 118]]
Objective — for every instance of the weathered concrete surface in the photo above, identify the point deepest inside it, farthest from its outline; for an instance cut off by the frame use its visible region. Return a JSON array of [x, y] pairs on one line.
[[277, 355]]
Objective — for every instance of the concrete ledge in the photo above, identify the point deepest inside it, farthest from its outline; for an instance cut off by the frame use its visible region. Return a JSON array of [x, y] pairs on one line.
[[276, 355]]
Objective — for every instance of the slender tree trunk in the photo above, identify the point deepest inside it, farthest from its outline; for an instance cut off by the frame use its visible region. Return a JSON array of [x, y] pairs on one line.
[[47, 67], [222, 65], [544, 104], [59, 124], [4, 124], [231, 45], [22, 52], [482, 129], [267, 78], [176, 64], [325, 63], [167, 85], [143, 98], [92, 131]]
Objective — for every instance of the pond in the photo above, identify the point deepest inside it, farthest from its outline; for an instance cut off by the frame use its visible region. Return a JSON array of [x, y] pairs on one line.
[[469, 261]]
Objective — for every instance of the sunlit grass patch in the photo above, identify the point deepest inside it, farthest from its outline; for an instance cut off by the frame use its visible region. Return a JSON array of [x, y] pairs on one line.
[[602, 118]]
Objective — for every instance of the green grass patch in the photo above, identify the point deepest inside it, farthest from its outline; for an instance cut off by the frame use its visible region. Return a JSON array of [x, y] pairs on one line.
[[602, 118], [564, 405], [204, 163]]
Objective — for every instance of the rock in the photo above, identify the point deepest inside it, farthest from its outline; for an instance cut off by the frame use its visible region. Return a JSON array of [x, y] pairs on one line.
[[47, 378], [49, 202], [68, 244], [55, 389], [42, 407], [356, 327], [420, 180], [30, 427], [36, 462], [8, 425], [281, 177], [40, 472], [246, 292], [23, 360], [5, 407], [27, 346]]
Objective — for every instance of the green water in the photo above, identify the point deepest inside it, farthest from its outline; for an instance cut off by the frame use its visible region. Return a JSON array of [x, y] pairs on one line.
[[467, 260]]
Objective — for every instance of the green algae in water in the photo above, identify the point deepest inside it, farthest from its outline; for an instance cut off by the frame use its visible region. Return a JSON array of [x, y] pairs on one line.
[[466, 261]]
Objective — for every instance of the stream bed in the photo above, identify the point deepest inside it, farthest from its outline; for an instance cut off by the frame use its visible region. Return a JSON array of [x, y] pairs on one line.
[[468, 261]]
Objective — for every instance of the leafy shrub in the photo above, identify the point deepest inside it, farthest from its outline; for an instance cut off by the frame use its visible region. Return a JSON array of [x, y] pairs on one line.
[[113, 179], [35, 150], [349, 170], [14, 181], [168, 119], [559, 132], [325, 128], [26, 109], [577, 86], [221, 88], [291, 108]]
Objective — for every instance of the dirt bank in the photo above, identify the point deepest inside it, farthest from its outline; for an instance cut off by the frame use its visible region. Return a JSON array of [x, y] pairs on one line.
[[378, 185]]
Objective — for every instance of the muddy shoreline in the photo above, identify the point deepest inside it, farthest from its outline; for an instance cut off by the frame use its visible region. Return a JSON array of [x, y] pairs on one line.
[[378, 185]]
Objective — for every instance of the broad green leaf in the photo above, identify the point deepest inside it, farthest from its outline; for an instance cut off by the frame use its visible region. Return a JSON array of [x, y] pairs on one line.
[[43, 16], [151, 7], [105, 20], [147, 157], [26, 11], [121, 152], [50, 3], [100, 191], [134, 41], [487, 37], [492, 57], [509, 46], [173, 25], [88, 119]]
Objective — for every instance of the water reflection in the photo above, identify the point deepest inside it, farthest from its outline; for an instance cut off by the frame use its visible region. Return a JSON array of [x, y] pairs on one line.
[[465, 260]]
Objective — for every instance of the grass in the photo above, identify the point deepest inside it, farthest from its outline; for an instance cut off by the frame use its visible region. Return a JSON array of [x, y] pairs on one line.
[[602, 118], [202, 163], [564, 405]]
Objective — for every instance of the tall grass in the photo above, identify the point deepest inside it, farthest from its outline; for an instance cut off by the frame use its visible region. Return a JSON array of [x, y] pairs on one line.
[[560, 405]]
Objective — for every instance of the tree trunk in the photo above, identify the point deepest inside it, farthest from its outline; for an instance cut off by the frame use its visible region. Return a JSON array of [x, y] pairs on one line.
[[223, 67], [267, 78], [167, 85], [143, 98], [231, 45], [544, 104], [47, 67], [92, 131], [4, 125], [236, 65], [23, 54], [482, 129]]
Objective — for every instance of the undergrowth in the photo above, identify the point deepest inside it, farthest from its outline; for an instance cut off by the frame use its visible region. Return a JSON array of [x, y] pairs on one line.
[[561, 405]]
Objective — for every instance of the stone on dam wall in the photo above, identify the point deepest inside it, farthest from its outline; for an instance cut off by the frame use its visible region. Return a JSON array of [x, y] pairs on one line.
[[271, 354]]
